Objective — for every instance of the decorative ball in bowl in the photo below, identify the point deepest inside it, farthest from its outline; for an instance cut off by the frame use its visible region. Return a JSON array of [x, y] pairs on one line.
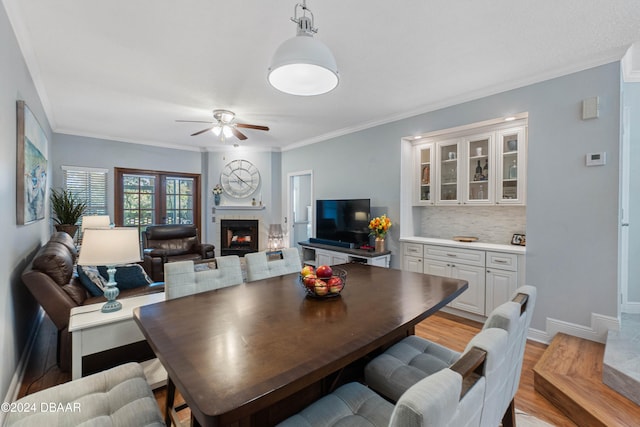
[[323, 282]]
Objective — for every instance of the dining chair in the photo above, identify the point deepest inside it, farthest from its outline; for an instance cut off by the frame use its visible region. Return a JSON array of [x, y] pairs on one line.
[[118, 396], [184, 278], [451, 397], [260, 266], [414, 358]]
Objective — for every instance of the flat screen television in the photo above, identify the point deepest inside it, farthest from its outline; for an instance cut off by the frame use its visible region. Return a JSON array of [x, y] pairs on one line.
[[343, 220]]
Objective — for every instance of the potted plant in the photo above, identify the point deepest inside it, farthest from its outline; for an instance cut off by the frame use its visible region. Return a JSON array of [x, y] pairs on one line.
[[68, 210]]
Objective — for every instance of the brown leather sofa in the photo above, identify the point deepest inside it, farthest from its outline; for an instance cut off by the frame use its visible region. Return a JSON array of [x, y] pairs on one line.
[[170, 243], [52, 279]]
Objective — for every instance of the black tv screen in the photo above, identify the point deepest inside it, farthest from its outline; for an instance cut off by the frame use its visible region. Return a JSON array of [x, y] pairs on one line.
[[344, 220]]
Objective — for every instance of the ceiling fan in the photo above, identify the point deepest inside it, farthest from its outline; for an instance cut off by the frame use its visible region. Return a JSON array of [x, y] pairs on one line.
[[224, 126]]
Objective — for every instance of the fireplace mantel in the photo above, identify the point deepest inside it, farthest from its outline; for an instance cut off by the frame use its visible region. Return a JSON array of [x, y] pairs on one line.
[[239, 207]]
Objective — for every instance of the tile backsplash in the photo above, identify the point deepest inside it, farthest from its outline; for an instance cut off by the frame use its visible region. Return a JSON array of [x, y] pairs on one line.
[[490, 224]]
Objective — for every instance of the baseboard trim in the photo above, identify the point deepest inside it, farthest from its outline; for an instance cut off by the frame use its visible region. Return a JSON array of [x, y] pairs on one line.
[[631, 307], [597, 331], [18, 376]]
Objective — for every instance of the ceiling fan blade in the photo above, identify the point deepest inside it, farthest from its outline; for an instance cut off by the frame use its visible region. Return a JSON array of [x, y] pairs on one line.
[[244, 125], [241, 136], [202, 131], [193, 121]]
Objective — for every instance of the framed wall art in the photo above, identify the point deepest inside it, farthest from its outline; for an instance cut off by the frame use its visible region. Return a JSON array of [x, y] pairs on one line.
[[31, 168]]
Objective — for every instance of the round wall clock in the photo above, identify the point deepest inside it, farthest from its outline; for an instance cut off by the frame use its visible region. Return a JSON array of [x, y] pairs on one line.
[[240, 178]]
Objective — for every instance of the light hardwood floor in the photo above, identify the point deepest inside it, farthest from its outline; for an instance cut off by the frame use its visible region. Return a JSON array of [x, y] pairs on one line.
[[451, 331]]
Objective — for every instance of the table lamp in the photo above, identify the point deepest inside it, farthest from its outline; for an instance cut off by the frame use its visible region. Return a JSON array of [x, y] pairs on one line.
[[110, 247], [95, 221], [276, 236]]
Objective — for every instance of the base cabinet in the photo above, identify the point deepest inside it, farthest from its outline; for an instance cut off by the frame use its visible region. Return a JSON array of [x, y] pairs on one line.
[[492, 276], [471, 300], [317, 254]]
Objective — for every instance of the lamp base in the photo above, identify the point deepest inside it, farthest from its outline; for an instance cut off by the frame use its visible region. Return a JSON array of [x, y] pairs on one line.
[[111, 292], [111, 306]]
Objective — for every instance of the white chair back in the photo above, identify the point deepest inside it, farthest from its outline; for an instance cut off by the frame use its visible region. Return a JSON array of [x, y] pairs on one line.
[[181, 279], [260, 267]]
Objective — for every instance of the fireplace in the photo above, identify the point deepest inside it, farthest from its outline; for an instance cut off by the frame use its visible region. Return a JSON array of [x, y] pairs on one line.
[[238, 236]]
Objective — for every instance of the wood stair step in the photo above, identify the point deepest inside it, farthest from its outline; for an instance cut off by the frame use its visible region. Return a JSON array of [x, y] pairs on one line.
[[569, 375]]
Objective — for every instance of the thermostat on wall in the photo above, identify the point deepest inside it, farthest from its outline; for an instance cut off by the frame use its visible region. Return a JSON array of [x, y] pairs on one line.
[[596, 159]]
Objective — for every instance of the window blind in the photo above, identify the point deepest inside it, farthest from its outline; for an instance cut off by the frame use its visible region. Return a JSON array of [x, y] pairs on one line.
[[88, 184]]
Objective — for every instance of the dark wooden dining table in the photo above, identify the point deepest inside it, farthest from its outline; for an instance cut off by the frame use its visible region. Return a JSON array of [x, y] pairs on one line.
[[236, 352]]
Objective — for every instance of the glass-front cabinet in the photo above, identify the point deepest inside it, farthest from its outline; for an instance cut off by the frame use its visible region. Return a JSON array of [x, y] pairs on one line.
[[424, 155], [512, 166], [485, 166], [479, 173], [448, 173]]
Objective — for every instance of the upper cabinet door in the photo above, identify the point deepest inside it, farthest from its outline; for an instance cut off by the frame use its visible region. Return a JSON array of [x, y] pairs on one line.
[[510, 180], [424, 194], [448, 174], [479, 169]]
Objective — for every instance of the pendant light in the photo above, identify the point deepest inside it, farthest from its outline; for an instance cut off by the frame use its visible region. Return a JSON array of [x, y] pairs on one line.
[[303, 65]]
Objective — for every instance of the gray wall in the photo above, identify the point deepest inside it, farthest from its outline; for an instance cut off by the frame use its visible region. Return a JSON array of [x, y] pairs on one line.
[[18, 310], [571, 209], [70, 150]]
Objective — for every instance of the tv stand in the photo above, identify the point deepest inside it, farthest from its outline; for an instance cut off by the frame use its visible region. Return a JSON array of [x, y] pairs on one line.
[[323, 254]]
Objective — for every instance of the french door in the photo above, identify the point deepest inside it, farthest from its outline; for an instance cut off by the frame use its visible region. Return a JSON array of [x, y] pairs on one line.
[[145, 197]]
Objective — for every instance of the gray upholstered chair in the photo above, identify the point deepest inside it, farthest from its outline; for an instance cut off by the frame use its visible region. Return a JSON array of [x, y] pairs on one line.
[[187, 278], [184, 278], [259, 266], [414, 358], [119, 396], [452, 397]]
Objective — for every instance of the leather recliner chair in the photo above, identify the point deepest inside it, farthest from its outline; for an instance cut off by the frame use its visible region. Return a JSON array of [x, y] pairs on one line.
[[169, 243]]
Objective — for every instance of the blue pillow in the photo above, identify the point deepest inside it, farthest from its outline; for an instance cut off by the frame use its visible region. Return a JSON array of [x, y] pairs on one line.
[[127, 276], [91, 280]]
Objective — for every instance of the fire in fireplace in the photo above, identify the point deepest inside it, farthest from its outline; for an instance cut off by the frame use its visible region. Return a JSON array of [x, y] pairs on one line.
[[238, 236]]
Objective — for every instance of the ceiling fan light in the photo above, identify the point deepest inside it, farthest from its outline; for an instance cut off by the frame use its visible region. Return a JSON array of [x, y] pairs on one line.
[[226, 131], [303, 66], [216, 130]]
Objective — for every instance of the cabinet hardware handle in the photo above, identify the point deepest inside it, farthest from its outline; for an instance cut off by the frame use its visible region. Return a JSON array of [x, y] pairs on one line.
[[500, 261], [452, 255]]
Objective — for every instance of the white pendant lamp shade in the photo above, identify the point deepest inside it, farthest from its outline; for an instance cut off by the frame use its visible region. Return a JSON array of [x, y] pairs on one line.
[[303, 66]]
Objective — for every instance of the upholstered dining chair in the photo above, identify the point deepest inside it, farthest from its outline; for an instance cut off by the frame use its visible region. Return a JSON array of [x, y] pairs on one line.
[[259, 266], [184, 278], [414, 358], [119, 396], [187, 278], [451, 397]]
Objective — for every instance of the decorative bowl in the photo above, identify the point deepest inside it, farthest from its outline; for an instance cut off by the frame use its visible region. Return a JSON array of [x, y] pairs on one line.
[[329, 288]]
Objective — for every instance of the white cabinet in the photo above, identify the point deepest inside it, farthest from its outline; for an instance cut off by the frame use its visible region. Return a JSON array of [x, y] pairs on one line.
[[459, 264], [501, 278], [330, 258], [484, 166], [493, 275], [319, 254]]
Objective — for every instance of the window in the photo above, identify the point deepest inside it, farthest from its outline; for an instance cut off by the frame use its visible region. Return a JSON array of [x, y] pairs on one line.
[[152, 197], [89, 185]]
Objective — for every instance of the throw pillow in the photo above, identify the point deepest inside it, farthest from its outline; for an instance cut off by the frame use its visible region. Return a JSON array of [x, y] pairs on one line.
[[127, 276], [91, 280]]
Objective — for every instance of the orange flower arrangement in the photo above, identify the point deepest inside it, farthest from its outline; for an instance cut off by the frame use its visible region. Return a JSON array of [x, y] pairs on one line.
[[379, 226]]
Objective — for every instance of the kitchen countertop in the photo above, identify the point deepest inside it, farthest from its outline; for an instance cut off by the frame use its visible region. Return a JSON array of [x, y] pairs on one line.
[[496, 247]]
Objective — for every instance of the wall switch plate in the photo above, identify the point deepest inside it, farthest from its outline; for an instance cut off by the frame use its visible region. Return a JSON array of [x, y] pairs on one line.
[[590, 108], [596, 159]]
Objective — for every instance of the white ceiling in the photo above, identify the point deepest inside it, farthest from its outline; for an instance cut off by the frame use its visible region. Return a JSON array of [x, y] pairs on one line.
[[126, 70]]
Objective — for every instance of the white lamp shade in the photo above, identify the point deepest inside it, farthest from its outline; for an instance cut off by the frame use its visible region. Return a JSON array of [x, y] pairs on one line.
[[95, 221], [303, 66], [112, 246]]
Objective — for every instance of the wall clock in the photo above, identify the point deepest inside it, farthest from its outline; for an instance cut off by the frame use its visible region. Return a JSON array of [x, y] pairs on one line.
[[240, 178]]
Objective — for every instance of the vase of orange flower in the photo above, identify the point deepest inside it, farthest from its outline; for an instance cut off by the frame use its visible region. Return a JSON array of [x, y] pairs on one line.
[[379, 227]]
